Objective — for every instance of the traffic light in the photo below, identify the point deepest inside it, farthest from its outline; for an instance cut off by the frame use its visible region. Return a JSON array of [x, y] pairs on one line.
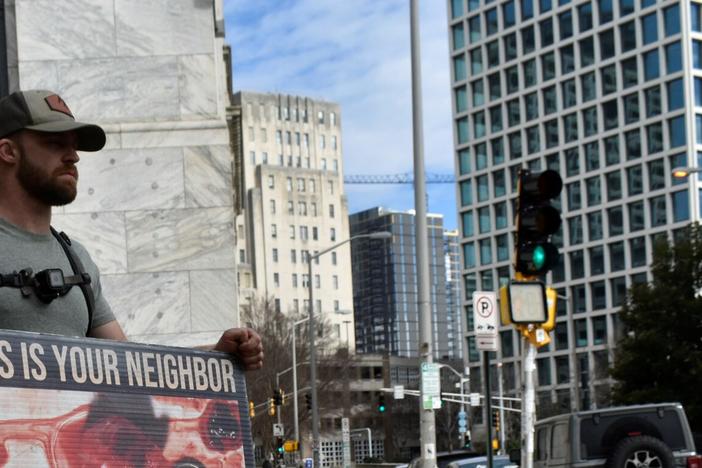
[[279, 446], [381, 402], [271, 407], [252, 409], [308, 401], [290, 446], [278, 397], [462, 422], [496, 420], [537, 219]]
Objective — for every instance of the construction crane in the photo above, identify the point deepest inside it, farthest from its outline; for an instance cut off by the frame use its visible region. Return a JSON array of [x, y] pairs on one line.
[[406, 178]]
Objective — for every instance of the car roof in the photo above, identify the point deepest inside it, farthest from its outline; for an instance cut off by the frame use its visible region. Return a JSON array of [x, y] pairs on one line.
[[612, 409]]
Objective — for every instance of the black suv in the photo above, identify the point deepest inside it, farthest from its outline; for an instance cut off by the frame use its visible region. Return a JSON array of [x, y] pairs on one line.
[[641, 436]]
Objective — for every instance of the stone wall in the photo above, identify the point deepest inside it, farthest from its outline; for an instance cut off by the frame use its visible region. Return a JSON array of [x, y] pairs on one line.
[[155, 205]]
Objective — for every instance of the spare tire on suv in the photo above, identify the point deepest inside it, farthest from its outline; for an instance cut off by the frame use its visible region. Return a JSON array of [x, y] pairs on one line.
[[640, 452]]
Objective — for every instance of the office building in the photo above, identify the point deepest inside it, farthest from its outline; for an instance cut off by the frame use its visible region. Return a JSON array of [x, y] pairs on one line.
[[607, 93], [288, 163], [385, 286], [154, 207]]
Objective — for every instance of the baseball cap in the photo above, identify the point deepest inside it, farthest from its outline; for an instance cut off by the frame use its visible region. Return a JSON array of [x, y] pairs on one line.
[[45, 111]]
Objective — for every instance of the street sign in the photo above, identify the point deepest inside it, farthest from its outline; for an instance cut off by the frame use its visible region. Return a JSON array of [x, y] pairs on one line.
[[431, 386], [346, 441], [399, 392], [485, 319], [475, 399], [278, 430]]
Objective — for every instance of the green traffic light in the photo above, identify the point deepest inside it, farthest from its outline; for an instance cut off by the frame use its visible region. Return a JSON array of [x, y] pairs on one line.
[[381, 408], [539, 257]]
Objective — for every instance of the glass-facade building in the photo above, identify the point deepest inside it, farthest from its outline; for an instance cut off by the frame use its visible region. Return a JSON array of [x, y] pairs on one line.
[[385, 285], [609, 94]]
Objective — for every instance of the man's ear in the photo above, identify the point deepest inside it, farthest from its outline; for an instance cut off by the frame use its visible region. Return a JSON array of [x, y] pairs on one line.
[[8, 151]]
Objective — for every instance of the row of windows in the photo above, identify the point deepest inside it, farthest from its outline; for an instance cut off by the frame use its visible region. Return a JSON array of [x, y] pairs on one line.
[[663, 209], [300, 139], [304, 256], [301, 209], [584, 158], [290, 113], [588, 122], [633, 149], [614, 190], [606, 11], [304, 232], [293, 161], [295, 306], [305, 281], [569, 92], [302, 184], [561, 28]]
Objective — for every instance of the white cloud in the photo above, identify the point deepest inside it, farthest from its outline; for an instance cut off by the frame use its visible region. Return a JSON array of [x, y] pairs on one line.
[[355, 53]]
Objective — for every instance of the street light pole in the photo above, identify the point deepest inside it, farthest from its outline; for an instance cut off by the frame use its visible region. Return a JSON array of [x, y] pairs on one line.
[[313, 338], [294, 365], [427, 419]]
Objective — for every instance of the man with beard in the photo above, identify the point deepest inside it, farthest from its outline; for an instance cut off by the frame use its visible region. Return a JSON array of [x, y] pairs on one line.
[[39, 138]]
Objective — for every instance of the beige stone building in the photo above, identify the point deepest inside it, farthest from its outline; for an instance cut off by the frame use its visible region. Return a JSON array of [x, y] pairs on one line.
[[288, 158]]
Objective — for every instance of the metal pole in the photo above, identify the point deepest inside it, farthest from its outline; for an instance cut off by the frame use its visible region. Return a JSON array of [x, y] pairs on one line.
[[463, 409], [313, 369], [488, 407], [528, 408], [277, 385], [294, 364], [503, 426], [427, 417]]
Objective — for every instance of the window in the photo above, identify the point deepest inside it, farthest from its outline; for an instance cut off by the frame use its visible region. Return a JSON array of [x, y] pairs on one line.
[[631, 108], [671, 16], [606, 13], [609, 79], [589, 117], [614, 185], [594, 193], [491, 26], [292, 231], [676, 132], [652, 96], [654, 133], [673, 57], [587, 83], [651, 65], [658, 211], [548, 66], [616, 221], [585, 17], [630, 72], [607, 49], [594, 225], [610, 114], [274, 231], [627, 35], [573, 193], [637, 248], [633, 144], [272, 206], [332, 235], [681, 206], [565, 24], [636, 216], [546, 29], [587, 51], [611, 146], [528, 39], [649, 28]]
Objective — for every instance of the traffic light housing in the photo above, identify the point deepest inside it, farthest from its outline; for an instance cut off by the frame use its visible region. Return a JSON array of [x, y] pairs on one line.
[[271, 407], [308, 401], [496, 420], [278, 396], [252, 409], [381, 403], [280, 445], [537, 220]]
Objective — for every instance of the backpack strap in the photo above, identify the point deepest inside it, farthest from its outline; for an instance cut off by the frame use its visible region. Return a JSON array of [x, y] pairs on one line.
[[78, 269]]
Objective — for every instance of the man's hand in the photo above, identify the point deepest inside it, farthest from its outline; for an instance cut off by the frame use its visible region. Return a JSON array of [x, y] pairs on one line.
[[245, 344]]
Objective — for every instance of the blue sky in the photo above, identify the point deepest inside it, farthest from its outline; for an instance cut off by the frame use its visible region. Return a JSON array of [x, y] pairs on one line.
[[356, 53]]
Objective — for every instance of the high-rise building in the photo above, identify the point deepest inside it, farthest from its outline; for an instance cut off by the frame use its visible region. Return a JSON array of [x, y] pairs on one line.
[[385, 286], [607, 93], [288, 163]]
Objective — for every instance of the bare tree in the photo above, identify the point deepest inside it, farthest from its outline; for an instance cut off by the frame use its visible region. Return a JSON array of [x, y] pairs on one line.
[[276, 328]]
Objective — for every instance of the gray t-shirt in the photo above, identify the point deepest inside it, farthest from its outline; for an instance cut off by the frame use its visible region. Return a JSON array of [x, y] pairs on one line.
[[66, 315]]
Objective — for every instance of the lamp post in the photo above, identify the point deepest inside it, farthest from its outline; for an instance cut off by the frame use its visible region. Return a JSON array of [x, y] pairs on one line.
[[294, 366], [463, 380], [313, 336], [682, 172]]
